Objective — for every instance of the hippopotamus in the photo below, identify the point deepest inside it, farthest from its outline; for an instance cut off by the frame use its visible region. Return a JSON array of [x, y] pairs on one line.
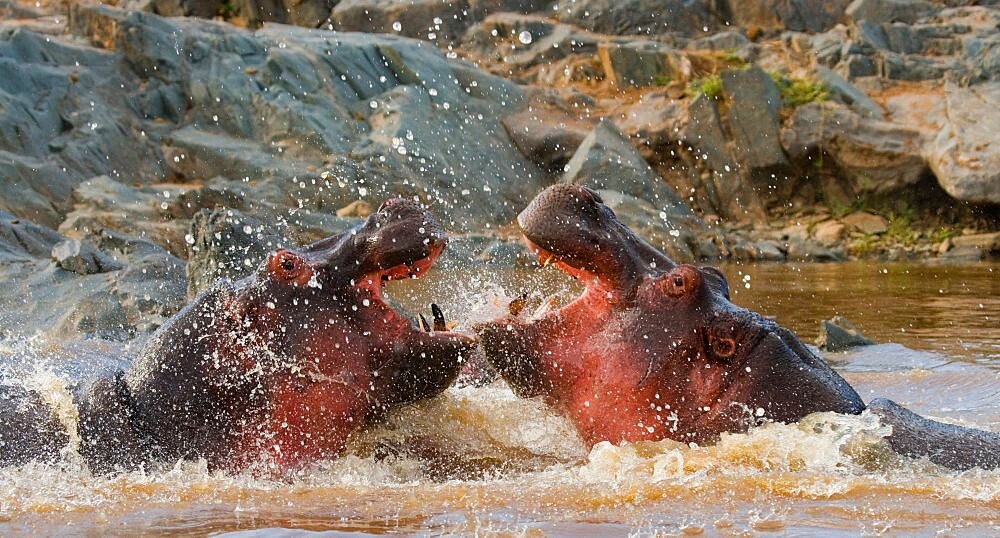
[[276, 370], [655, 350]]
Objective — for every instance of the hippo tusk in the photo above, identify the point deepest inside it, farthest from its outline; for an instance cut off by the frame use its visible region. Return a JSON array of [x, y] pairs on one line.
[[439, 323], [424, 326], [547, 305]]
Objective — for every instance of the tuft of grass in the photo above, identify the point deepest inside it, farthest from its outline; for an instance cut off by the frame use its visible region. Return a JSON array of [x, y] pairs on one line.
[[842, 210], [941, 234], [899, 228], [799, 91], [709, 86], [865, 245], [661, 80], [731, 57]]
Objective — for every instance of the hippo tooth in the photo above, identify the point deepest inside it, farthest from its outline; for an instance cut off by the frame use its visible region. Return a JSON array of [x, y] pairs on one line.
[[424, 326], [439, 322]]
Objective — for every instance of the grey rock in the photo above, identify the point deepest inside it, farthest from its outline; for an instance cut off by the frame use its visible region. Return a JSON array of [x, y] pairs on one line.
[[848, 94], [548, 131], [63, 304], [871, 156], [908, 11], [857, 65], [642, 63], [839, 334], [913, 67], [605, 160], [769, 251], [795, 15], [80, 257], [24, 241], [674, 236], [735, 197], [226, 244], [754, 102], [866, 222], [641, 17], [731, 40], [964, 155], [439, 21]]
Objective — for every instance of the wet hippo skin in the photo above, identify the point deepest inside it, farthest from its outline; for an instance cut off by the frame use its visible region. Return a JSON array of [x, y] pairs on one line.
[[279, 369], [655, 350]]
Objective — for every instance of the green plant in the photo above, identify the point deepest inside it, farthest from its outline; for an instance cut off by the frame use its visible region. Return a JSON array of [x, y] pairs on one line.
[[709, 86], [942, 234], [227, 9], [865, 245], [799, 91], [899, 228], [840, 210], [731, 57], [661, 80]]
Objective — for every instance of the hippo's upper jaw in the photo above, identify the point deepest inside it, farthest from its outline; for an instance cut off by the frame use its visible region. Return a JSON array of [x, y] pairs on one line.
[[281, 368], [651, 349]]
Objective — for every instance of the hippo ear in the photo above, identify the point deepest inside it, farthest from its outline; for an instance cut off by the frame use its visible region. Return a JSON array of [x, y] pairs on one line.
[[287, 267], [681, 281], [716, 280]]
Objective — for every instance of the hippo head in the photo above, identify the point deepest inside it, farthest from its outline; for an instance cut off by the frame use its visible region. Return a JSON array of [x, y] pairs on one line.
[[282, 367], [651, 349], [324, 304]]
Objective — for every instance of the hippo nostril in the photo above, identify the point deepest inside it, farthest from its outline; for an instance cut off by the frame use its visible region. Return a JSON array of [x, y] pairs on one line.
[[679, 281], [722, 347], [287, 264]]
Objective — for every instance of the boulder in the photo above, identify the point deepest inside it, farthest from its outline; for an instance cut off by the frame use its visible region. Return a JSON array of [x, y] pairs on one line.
[[62, 304], [226, 244], [548, 130], [81, 257], [439, 21], [642, 63], [641, 17], [847, 93], [866, 222], [839, 334], [829, 232], [357, 208], [605, 160], [906, 11], [964, 155], [733, 196], [869, 155], [795, 15], [754, 102]]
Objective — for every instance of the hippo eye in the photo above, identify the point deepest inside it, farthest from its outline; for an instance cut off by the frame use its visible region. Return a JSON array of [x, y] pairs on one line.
[[286, 266], [683, 280]]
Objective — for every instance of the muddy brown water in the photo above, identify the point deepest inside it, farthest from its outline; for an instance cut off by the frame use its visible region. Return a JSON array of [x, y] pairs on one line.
[[478, 460]]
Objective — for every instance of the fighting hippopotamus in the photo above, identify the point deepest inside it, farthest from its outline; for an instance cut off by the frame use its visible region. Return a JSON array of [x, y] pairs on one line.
[[274, 371], [655, 350]]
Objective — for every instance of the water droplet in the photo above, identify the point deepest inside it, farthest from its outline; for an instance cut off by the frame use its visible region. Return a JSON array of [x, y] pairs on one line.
[[524, 37], [397, 26]]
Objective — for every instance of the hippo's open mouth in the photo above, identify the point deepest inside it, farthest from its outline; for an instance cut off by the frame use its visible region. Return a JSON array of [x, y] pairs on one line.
[[373, 283]]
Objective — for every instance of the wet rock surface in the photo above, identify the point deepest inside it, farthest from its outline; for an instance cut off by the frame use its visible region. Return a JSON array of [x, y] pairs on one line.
[[136, 150], [839, 334]]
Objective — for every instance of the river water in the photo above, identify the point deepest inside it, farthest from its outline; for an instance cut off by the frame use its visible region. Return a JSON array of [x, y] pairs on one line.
[[478, 460]]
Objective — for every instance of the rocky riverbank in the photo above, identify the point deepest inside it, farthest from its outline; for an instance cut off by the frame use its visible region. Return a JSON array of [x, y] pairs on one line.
[[149, 147]]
